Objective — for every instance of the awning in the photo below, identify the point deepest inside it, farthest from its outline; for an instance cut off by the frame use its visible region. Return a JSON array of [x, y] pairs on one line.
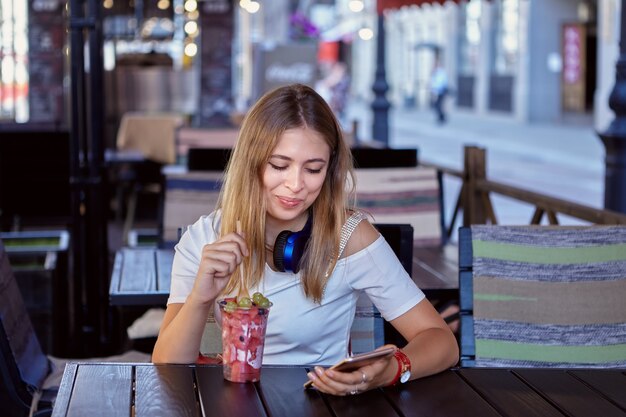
[[347, 27], [396, 4]]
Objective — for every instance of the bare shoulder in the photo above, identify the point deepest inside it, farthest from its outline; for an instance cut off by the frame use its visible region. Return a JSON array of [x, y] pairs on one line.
[[363, 236]]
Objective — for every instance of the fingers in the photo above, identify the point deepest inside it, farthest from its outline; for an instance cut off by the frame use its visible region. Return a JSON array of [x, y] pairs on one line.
[[218, 261], [340, 383], [349, 383], [223, 256]]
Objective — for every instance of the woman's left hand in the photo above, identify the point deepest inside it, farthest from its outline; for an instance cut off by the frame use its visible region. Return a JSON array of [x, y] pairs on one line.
[[365, 378]]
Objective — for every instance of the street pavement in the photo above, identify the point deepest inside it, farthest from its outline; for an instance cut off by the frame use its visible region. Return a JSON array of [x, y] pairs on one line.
[[561, 160]]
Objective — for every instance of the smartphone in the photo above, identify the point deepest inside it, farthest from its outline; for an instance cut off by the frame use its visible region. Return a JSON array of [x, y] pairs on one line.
[[352, 363]]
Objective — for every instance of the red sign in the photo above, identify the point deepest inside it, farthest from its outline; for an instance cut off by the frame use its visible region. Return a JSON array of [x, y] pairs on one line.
[[572, 53]]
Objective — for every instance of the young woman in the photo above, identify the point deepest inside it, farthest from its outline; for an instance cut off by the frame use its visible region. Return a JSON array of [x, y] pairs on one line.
[[291, 170]]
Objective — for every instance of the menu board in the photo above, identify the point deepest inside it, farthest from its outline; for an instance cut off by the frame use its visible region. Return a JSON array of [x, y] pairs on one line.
[[216, 97], [46, 41]]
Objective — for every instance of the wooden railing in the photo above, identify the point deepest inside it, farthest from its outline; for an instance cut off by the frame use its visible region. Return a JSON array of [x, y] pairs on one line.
[[474, 199]]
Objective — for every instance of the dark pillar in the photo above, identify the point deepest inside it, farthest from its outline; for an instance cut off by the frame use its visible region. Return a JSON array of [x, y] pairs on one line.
[[381, 105], [614, 138], [89, 201], [216, 54]]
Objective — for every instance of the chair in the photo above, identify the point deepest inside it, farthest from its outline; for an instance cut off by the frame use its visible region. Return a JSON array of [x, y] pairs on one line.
[[30, 379], [187, 196], [208, 159], [384, 157], [543, 296], [193, 192], [403, 195], [34, 159], [369, 330], [393, 189], [23, 365], [188, 137], [153, 136]]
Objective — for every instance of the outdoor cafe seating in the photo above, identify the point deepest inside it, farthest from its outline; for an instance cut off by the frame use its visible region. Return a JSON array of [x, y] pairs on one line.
[[589, 283], [404, 199]]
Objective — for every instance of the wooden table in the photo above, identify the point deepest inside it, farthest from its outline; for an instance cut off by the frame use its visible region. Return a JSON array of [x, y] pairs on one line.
[[436, 271], [105, 389], [141, 277]]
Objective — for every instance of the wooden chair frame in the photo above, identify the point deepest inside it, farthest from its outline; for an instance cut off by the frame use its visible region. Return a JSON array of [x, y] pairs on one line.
[[466, 299]]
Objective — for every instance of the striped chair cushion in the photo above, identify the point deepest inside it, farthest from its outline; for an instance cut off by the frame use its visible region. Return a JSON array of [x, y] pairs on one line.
[[549, 296], [187, 197], [403, 195]]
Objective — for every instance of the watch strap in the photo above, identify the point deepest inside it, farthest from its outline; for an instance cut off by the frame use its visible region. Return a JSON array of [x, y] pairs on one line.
[[404, 365]]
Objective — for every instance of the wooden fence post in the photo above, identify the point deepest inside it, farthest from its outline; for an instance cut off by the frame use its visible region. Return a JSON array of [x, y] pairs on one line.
[[475, 169]]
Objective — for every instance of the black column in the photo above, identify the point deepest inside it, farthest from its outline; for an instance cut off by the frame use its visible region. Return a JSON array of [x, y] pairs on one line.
[[614, 138], [380, 105], [89, 201]]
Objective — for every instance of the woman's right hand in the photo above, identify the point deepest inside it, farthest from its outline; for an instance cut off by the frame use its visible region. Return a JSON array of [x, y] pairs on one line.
[[217, 263]]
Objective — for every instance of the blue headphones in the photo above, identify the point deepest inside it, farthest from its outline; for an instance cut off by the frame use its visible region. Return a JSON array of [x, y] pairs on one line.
[[289, 247]]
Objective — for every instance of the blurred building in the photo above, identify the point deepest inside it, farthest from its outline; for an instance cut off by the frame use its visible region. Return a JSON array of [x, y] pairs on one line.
[[529, 60]]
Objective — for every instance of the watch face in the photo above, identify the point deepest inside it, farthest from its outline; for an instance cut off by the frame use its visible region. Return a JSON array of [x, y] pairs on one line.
[[405, 376]]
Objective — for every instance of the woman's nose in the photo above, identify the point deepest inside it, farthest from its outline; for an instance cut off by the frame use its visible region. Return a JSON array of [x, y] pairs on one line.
[[293, 181]]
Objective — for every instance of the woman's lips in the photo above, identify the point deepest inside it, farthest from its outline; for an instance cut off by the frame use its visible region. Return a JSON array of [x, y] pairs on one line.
[[289, 202]]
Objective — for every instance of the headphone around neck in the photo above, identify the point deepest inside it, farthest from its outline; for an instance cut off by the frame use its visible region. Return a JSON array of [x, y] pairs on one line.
[[289, 247]]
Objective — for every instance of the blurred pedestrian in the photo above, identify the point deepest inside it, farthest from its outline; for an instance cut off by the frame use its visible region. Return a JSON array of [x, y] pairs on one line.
[[334, 88], [439, 90], [340, 85]]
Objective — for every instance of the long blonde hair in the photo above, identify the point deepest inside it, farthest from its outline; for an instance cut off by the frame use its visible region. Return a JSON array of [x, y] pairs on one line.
[[241, 198]]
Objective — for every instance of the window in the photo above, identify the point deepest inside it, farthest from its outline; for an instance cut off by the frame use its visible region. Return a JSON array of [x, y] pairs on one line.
[[506, 41], [469, 37], [13, 61]]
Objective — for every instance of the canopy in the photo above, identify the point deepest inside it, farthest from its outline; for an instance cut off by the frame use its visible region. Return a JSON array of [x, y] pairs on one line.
[[395, 4]]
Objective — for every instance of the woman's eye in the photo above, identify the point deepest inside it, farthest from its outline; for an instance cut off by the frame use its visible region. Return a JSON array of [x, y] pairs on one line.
[[277, 167], [314, 171]]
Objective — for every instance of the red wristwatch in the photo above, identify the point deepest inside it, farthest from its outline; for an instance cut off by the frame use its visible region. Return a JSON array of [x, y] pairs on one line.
[[404, 368]]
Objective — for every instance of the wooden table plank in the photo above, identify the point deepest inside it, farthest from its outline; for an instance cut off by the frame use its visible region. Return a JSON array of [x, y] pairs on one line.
[[435, 271], [569, 394], [611, 383], [165, 391], [139, 264], [283, 394], [219, 397], [164, 260], [445, 394], [101, 391], [369, 403], [62, 400], [508, 394], [116, 275], [141, 277]]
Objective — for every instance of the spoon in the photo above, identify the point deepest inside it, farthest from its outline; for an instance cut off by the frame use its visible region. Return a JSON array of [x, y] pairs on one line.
[[243, 290]]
